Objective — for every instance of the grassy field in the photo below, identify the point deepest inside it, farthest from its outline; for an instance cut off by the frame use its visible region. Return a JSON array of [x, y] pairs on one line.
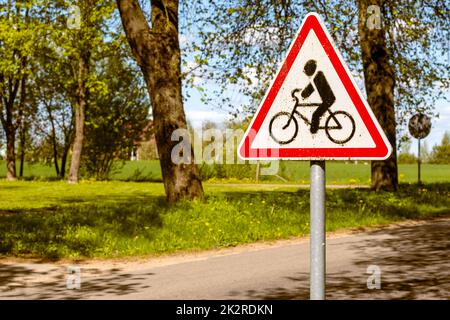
[[117, 219], [293, 171], [129, 171], [351, 173]]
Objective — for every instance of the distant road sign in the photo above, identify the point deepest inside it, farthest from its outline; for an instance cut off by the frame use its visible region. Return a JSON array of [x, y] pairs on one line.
[[313, 108], [419, 126]]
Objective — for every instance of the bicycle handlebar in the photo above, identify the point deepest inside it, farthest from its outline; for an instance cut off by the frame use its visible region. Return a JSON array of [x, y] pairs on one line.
[[297, 102]]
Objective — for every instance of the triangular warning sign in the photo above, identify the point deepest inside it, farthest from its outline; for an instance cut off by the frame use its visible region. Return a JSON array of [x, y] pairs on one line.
[[313, 108]]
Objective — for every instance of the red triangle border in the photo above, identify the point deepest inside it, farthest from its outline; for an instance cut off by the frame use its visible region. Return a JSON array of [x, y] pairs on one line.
[[382, 147]]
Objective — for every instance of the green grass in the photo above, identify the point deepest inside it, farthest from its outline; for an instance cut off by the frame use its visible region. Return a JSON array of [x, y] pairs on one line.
[[294, 171], [138, 171], [119, 219], [351, 173], [129, 171]]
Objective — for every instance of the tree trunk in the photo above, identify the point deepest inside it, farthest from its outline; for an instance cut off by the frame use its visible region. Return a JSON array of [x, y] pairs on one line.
[[54, 141], [10, 127], [62, 172], [22, 149], [55, 156], [80, 116], [22, 162], [379, 81], [66, 148], [10, 154], [157, 52], [9, 110], [22, 123]]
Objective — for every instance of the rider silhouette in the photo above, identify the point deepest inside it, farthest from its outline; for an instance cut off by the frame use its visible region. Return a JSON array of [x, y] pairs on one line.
[[324, 89]]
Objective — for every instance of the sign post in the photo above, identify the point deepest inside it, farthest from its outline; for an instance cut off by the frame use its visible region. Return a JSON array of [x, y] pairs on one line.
[[419, 182], [317, 225], [419, 127], [313, 110]]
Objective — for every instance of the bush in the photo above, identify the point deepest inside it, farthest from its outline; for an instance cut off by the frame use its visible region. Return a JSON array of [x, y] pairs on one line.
[[406, 158], [441, 154], [227, 171], [116, 120]]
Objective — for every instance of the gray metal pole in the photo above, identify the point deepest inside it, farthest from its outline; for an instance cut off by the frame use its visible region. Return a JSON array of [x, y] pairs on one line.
[[317, 226], [258, 170]]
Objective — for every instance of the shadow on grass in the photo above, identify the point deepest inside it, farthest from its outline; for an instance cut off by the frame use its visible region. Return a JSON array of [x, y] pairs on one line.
[[414, 263], [41, 178], [410, 202], [139, 175], [79, 229], [111, 225]]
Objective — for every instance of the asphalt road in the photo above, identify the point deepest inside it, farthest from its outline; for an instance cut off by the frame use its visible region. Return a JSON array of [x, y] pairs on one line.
[[414, 260]]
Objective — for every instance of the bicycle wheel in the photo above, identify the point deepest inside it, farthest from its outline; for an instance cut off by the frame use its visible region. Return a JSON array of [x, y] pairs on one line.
[[279, 129], [345, 129]]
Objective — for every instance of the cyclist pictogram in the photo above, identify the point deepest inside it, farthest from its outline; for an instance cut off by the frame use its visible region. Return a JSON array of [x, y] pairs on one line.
[[287, 124], [313, 109]]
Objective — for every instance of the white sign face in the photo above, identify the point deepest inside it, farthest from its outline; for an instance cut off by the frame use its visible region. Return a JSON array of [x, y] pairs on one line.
[[313, 109]]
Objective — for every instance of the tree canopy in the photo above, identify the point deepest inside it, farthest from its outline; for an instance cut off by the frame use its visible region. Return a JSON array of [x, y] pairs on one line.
[[241, 43]]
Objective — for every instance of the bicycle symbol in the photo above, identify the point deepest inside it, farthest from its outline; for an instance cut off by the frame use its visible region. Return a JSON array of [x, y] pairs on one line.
[[289, 124]]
